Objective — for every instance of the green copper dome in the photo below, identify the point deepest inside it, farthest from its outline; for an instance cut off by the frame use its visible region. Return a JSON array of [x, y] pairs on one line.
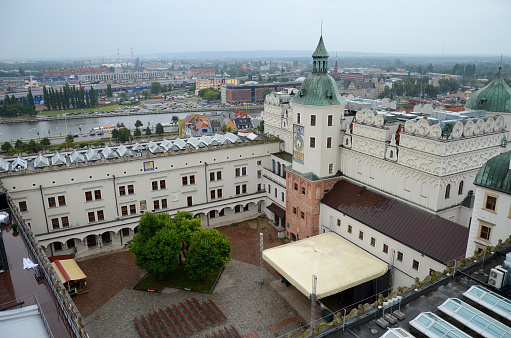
[[494, 97], [495, 174], [319, 88]]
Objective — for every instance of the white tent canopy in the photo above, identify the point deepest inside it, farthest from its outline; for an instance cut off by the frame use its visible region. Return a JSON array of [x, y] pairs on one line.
[[338, 264]]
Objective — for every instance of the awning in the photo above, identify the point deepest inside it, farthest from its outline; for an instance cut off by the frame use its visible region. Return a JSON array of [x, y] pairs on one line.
[[67, 270], [277, 210], [338, 264]]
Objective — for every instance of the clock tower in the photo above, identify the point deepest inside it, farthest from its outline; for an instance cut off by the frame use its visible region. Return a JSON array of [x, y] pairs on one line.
[[318, 110]]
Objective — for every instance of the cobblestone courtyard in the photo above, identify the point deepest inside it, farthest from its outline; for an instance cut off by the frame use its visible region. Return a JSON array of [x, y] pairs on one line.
[[270, 310]]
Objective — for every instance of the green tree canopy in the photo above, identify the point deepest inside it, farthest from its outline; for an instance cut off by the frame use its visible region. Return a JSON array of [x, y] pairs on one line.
[[124, 135], [45, 142], [138, 124], [6, 146], [209, 250], [159, 129], [156, 88], [146, 93], [175, 119], [109, 90], [137, 132]]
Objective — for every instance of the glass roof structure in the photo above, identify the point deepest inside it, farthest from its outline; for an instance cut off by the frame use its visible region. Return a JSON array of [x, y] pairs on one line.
[[19, 162], [41, 161], [433, 326], [58, 159], [4, 165], [474, 319], [92, 155], [123, 151], [490, 300], [76, 157], [396, 333]]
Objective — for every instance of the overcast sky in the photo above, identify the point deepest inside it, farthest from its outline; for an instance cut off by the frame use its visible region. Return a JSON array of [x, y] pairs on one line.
[[74, 28]]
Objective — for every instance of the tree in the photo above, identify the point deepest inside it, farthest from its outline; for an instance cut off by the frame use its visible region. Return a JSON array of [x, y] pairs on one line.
[[6, 146], [138, 123], [203, 91], [124, 135], [109, 90], [159, 129], [156, 88], [115, 133], [209, 250], [260, 127], [46, 97], [32, 146], [45, 142], [19, 145], [137, 132], [212, 95], [30, 99], [146, 93], [175, 119], [265, 92], [148, 131]]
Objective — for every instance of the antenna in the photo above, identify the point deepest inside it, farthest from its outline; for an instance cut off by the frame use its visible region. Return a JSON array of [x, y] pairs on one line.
[[118, 57], [132, 60], [321, 27]]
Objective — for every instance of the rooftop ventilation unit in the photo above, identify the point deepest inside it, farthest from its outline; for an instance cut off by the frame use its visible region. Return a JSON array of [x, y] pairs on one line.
[[497, 276]]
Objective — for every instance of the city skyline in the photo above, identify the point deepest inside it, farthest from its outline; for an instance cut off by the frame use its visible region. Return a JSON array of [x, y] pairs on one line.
[[53, 30]]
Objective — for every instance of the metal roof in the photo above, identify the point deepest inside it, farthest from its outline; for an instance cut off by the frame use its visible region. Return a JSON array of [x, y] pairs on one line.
[[495, 173], [320, 51], [494, 97], [429, 234]]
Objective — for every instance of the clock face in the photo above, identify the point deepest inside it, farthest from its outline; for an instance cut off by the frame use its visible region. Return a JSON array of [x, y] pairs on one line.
[[298, 143]]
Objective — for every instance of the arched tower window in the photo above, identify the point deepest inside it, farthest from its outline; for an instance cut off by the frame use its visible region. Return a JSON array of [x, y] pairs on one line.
[[448, 191], [460, 188]]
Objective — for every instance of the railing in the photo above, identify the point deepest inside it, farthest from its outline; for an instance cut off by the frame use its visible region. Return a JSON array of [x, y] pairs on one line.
[[66, 304]]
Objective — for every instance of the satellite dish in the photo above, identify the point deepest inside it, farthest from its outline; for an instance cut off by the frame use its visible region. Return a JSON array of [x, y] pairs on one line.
[[468, 129], [410, 126], [488, 125], [435, 131], [479, 127], [457, 130], [499, 124], [379, 121]]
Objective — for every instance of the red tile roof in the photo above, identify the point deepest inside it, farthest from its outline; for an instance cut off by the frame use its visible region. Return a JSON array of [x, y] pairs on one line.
[[429, 234]]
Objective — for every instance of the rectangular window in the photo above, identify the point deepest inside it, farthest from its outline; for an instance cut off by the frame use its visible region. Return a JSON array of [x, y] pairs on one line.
[[244, 171], [163, 185], [51, 202], [329, 142], [124, 210], [237, 172], [57, 246], [219, 193], [361, 235], [131, 189], [23, 206], [400, 256], [212, 194], [192, 179], [294, 210], [258, 162], [164, 203], [97, 194], [218, 175], [313, 120], [303, 190], [154, 185], [385, 248], [122, 191], [125, 232], [133, 209], [184, 180], [156, 205], [70, 243], [245, 208], [282, 196], [55, 223], [373, 241], [62, 200], [269, 189], [491, 202], [88, 196], [238, 190], [313, 142], [415, 265], [275, 192], [296, 186], [259, 174], [101, 215], [350, 229], [485, 232], [244, 189], [330, 168], [211, 176], [237, 209], [189, 201], [330, 119], [212, 214], [302, 214], [298, 118], [92, 217], [338, 222]]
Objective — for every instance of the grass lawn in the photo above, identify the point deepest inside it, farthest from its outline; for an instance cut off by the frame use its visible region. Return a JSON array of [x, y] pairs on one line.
[[103, 108], [179, 278]]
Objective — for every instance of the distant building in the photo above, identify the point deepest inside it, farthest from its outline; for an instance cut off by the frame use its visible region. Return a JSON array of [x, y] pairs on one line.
[[232, 94], [73, 71], [202, 70], [213, 83], [355, 77]]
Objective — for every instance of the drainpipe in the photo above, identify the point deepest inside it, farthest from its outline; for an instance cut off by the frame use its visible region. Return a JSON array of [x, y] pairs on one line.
[[45, 215], [115, 195]]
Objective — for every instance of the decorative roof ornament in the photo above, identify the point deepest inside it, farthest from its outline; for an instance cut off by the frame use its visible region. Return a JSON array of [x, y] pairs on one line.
[[494, 97]]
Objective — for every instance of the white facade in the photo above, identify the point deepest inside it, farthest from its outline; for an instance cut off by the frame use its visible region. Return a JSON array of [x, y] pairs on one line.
[[490, 219], [221, 185], [274, 183], [278, 117], [404, 262]]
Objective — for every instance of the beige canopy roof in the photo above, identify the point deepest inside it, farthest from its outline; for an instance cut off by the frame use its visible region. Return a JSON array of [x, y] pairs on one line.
[[67, 270], [337, 263]]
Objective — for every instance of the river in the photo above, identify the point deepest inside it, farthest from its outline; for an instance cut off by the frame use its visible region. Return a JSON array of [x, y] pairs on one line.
[[30, 130]]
